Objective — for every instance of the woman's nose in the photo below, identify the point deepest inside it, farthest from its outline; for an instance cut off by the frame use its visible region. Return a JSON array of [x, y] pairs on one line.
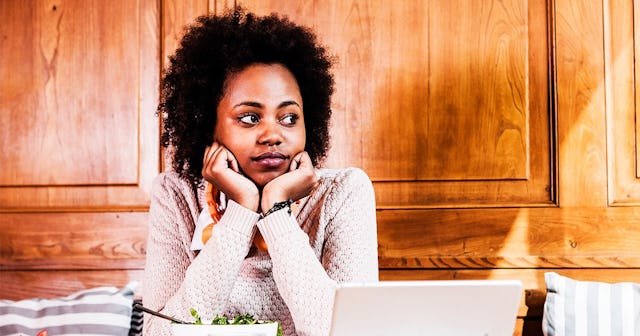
[[270, 134]]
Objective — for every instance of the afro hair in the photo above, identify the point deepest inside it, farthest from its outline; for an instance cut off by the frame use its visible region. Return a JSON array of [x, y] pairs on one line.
[[212, 49]]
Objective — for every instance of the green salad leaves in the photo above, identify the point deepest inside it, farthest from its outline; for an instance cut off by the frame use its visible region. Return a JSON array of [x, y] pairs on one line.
[[238, 319]]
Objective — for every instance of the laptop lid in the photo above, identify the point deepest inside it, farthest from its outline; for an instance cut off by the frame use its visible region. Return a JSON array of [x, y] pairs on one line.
[[408, 308]]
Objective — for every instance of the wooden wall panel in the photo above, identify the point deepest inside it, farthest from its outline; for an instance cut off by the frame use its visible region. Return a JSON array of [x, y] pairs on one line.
[[49, 241], [56, 283], [411, 110], [636, 51], [621, 38], [581, 101], [175, 16], [469, 41], [509, 238], [79, 103], [59, 114]]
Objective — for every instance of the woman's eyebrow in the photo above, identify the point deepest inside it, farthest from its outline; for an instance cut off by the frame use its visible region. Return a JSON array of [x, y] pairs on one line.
[[258, 105], [249, 103], [288, 103]]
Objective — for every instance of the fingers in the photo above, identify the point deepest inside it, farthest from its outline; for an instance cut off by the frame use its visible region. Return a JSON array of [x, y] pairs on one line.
[[213, 164], [301, 160], [224, 158], [295, 162], [232, 162], [222, 170], [207, 161], [209, 153]]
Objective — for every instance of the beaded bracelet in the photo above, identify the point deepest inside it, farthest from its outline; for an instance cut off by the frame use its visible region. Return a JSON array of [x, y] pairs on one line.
[[278, 206]]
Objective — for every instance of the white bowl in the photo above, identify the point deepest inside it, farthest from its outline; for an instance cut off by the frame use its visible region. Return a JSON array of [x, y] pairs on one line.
[[263, 329]]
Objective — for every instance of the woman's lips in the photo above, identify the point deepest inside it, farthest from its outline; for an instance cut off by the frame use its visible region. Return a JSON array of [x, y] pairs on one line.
[[270, 160]]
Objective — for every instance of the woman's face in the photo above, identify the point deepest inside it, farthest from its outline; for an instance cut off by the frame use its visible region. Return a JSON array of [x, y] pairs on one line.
[[260, 120]]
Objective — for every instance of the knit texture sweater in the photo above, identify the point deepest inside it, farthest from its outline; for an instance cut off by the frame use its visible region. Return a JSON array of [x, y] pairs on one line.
[[332, 239]]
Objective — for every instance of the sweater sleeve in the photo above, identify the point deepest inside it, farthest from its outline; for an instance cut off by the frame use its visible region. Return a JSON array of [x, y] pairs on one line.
[[307, 284], [174, 280]]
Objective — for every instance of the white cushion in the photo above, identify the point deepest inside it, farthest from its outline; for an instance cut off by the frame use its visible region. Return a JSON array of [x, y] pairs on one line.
[[95, 311], [587, 308]]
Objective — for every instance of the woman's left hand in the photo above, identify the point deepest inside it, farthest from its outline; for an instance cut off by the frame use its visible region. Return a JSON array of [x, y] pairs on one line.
[[293, 185]]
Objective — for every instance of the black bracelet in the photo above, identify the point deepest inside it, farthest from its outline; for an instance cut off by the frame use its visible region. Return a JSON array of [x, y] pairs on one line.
[[278, 206]]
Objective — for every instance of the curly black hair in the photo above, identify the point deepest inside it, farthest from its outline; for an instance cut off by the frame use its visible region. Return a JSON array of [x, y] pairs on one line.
[[215, 47]]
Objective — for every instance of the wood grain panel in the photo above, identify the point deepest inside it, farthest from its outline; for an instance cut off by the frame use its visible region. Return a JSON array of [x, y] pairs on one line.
[[621, 108], [79, 106], [73, 241], [176, 15], [462, 194], [59, 113], [77, 198], [509, 238], [581, 103], [636, 50], [401, 87], [478, 61], [50, 284]]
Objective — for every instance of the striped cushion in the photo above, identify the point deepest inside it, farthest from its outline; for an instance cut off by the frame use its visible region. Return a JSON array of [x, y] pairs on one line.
[[590, 308], [96, 311]]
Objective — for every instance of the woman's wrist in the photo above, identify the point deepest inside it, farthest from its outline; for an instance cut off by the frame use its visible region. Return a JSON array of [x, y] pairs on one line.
[[278, 206], [250, 203], [271, 196]]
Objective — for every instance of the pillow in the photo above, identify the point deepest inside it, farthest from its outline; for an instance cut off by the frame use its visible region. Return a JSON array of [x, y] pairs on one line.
[[95, 311], [575, 307]]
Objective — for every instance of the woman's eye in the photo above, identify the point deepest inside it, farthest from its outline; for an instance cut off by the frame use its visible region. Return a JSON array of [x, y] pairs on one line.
[[289, 119], [249, 119]]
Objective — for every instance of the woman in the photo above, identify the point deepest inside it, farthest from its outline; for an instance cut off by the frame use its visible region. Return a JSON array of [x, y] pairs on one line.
[[245, 223]]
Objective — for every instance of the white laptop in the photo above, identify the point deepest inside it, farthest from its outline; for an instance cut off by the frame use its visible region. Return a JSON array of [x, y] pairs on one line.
[[442, 308]]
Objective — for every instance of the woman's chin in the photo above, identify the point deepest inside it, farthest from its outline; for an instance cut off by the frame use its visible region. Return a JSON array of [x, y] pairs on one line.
[[263, 178]]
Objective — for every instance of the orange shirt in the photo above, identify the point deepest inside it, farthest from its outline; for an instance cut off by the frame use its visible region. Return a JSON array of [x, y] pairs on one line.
[[216, 213]]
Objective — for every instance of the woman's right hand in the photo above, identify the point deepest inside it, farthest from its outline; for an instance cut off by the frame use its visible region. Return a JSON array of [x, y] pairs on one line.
[[221, 169]]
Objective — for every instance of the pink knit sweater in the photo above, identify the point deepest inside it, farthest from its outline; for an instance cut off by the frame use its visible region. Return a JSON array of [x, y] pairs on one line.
[[332, 240]]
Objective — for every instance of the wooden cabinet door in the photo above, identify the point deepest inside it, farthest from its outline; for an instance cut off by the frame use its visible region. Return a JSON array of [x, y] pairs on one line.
[[78, 99], [80, 146]]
